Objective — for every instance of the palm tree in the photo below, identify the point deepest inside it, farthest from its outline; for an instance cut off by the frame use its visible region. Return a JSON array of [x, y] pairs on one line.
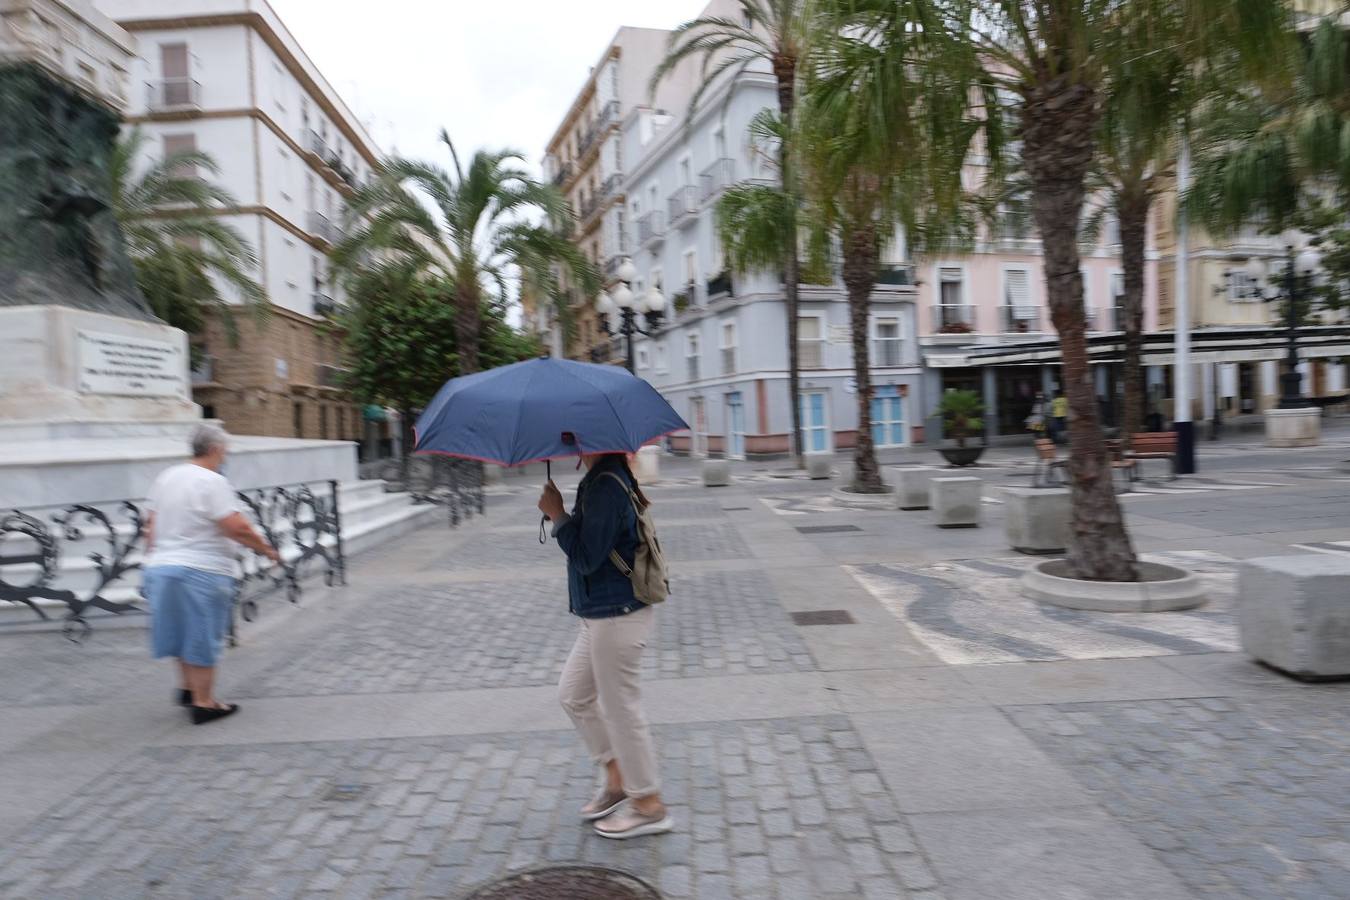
[[776, 32], [1273, 154], [1058, 59], [182, 252], [469, 231]]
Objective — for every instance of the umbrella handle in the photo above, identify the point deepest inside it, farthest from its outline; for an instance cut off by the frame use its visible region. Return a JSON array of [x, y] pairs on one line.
[[543, 520]]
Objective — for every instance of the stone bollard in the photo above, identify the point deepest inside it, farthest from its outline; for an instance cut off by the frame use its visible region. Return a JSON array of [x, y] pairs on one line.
[[1294, 614], [955, 502], [819, 466], [648, 462], [912, 484], [716, 473], [492, 475], [1294, 427], [1036, 520]]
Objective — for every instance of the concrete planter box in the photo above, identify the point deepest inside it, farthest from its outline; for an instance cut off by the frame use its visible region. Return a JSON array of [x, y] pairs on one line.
[[648, 465], [1036, 520], [955, 502], [716, 473], [1160, 589], [819, 466], [492, 475], [853, 500], [1294, 614], [1293, 427], [912, 485]]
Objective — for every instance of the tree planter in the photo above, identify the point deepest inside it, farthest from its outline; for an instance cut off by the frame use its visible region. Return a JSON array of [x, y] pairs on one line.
[[913, 484], [956, 502], [1036, 520], [819, 466], [961, 456], [1160, 589], [716, 473], [853, 500], [1294, 614]]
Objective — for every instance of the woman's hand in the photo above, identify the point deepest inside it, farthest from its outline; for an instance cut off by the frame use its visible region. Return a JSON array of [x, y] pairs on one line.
[[551, 502]]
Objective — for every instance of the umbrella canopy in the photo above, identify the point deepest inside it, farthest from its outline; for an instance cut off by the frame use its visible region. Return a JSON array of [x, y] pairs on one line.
[[544, 409]]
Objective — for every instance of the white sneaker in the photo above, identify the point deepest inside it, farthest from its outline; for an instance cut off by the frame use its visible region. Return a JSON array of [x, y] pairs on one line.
[[631, 824]]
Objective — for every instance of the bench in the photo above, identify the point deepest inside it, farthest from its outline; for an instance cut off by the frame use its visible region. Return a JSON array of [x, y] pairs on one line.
[[1155, 445], [1050, 468]]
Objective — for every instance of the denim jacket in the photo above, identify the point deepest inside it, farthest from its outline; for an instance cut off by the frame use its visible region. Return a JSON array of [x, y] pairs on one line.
[[602, 520]]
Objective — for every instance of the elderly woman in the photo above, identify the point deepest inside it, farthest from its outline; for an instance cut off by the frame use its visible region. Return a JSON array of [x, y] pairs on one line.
[[190, 568]]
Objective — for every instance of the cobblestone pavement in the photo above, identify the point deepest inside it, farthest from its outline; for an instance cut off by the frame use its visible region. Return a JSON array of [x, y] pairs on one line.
[[788, 808], [518, 634], [1239, 799]]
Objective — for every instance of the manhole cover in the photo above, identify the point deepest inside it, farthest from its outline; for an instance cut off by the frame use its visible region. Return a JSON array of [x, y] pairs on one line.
[[346, 792], [827, 529], [567, 883], [824, 617]]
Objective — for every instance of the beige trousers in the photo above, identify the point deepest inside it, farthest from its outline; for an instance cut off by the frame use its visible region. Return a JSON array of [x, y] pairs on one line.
[[600, 690]]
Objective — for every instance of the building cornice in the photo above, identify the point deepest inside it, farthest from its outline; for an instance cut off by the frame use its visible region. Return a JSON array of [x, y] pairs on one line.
[[322, 93], [252, 209]]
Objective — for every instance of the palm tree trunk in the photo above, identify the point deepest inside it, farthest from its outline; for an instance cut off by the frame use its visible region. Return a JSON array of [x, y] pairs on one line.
[[1059, 117], [785, 71], [467, 325], [860, 273], [1132, 214]]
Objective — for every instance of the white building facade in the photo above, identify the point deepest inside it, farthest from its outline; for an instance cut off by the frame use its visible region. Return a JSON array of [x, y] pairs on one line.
[[720, 355]]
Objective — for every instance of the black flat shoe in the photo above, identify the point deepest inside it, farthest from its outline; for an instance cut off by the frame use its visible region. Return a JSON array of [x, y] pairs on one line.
[[203, 714], [184, 697]]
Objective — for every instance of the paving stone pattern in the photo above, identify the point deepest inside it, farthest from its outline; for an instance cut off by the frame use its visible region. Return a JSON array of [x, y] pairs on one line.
[[789, 808], [42, 668], [1238, 799], [518, 634]]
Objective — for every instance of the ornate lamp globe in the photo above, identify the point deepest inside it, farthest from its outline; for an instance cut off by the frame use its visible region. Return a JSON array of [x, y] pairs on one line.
[[604, 304], [622, 297], [627, 271]]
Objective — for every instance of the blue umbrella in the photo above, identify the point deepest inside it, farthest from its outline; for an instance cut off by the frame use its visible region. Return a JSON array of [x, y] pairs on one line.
[[544, 409]]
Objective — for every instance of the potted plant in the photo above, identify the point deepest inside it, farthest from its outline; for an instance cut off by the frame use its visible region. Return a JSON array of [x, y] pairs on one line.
[[957, 328], [961, 413]]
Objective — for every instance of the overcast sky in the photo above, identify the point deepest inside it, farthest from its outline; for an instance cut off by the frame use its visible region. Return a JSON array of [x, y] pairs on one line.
[[494, 74]]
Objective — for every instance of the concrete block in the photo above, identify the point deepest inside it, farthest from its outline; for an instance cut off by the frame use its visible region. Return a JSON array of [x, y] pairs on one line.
[[819, 466], [955, 502], [649, 465], [1294, 614], [492, 475], [1293, 427], [912, 484], [850, 500], [716, 473], [1036, 520]]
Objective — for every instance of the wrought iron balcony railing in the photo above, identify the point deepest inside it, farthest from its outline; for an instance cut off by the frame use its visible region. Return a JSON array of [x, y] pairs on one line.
[[172, 94]]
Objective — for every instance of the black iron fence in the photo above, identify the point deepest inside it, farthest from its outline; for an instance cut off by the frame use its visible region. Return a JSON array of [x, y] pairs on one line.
[[72, 560], [456, 484]]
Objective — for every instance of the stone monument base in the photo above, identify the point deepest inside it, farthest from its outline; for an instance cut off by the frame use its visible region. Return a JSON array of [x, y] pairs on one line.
[[1293, 427]]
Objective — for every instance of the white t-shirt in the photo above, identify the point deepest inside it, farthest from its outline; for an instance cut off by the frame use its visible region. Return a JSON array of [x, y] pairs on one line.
[[188, 502]]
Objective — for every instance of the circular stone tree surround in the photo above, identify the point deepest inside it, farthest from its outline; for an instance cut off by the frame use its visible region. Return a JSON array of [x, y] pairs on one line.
[[1160, 588]]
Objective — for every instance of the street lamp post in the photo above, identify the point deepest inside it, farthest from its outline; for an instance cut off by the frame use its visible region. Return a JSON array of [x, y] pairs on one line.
[[623, 302], [1298, 277]]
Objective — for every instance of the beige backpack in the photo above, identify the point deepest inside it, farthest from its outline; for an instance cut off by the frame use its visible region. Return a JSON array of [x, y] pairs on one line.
[[648, 573]]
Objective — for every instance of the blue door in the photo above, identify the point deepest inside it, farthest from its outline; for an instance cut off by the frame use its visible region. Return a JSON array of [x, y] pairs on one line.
[[888, 416], [815, 423]]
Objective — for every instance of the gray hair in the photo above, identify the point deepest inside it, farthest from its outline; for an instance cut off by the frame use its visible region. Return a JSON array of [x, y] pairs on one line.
[[206, 438]]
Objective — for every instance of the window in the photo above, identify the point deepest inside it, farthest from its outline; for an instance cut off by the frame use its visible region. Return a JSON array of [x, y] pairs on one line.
[[815, 422], [644, 359], [1019, 314], [177, 87], [691, 353], [951, 286], [690, 261], [886, 349], [178, 144], [662, 363], [1242, 287], [728, 348], [698, 418], [1118, 301], [298, 419], [810, 342], [719, 144], [888, 416]]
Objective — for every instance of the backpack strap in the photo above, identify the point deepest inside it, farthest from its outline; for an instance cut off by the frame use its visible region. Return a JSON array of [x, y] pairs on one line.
[[614, 556]]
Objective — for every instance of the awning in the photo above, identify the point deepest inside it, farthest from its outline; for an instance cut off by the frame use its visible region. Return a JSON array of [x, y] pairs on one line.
[[1208, 345]]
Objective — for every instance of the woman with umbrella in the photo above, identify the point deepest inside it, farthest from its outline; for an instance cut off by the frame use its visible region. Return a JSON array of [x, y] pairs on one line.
[[548, 409]]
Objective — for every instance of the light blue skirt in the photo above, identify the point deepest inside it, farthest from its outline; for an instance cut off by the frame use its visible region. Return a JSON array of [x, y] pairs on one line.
[[189, 613]]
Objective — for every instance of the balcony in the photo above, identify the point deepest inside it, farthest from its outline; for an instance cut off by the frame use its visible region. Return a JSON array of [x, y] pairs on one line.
[[952, 318], [1020, 319], [719, 286], [330, 376], [322, 227], [1118, 318], [896, 275], [716, 178], [204, 372], [316, 144], [563, 175], [324, 304], [651, 229], [686, 298], [607, 116], [682, 206], [173, 94], [1093, 318]]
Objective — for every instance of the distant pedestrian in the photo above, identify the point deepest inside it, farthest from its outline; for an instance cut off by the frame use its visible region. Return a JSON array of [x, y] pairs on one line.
[[1035, 420], [190, 568], [1059, 417], [600, 687]]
